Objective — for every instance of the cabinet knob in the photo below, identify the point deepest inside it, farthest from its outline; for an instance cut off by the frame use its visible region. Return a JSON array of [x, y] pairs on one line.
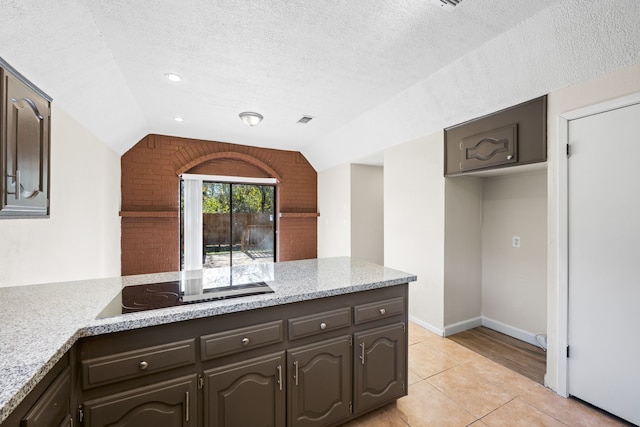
[[245, 341], [323, 325], [383, 311], [509, 157], [143, 365]]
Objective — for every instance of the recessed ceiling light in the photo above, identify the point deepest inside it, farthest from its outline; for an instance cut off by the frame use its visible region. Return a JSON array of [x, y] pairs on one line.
[[173, 77], [178, 119]]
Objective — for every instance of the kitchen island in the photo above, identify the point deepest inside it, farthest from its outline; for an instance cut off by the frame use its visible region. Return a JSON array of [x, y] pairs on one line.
[[42, 324]]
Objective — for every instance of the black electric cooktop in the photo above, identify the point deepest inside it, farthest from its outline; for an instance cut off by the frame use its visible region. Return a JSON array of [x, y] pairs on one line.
[[192, 287]]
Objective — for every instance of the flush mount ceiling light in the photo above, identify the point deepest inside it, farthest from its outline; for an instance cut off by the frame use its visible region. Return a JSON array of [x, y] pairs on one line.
[[173, 77], [178, 119], [250, 119]]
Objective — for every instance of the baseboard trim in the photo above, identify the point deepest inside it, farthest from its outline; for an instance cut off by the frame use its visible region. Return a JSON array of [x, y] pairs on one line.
[[510, 330], [462, 326], [427, 326]]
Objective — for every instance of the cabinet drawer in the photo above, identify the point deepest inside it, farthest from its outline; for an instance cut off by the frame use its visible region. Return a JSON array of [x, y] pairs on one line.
[[378, 310], [237, 340], [305, 326], [137, 363], [53, 407]]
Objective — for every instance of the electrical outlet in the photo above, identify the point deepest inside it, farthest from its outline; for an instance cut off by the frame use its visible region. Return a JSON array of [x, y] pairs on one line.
[[515, 241]]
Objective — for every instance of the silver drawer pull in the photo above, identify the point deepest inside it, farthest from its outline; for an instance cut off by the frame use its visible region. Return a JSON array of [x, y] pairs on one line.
[[143, 365], [245, 341], [323, 325], [383, 311]]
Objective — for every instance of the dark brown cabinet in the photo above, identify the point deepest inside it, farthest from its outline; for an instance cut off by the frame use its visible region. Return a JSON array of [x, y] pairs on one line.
[[380, 366], [247, 393], [25, 113], [49, 403], [511, 137], [290, 365], [319, 380], [52, 409], [100, 371], [168, 403]]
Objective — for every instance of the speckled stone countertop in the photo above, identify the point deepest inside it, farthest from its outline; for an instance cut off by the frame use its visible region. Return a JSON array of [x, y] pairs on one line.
[[40, 323]]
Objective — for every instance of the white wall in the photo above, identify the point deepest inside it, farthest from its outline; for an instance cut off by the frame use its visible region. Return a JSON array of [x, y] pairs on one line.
[[463, 253], [514, 280], [334, 205], [367, 213], [414, 219], [81, 239], [414, 223]]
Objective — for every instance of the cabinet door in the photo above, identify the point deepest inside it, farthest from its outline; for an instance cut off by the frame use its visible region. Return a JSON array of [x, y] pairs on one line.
[[495, 147], [169, 403], [25, 150], [380, 366], [319, 379], [52, 409], [511, 137], [248, 393]]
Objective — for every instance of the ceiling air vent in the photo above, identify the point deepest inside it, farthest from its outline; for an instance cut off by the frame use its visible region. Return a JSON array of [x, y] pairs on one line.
[[305, 119], [448, 5]]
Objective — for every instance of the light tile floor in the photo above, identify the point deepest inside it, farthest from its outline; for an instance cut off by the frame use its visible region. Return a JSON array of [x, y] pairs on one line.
[[450, 385]]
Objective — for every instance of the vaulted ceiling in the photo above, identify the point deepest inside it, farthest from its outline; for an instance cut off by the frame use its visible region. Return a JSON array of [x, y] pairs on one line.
[[372, 73]]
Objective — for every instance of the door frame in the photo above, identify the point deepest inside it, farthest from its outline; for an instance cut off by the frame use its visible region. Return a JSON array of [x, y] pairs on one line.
[[562, 237]]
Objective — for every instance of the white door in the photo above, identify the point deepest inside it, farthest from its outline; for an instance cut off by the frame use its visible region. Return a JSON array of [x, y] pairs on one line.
[[604, 261]]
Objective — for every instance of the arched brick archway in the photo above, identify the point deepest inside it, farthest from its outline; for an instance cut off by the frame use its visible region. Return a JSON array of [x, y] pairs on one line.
[[214, 158]]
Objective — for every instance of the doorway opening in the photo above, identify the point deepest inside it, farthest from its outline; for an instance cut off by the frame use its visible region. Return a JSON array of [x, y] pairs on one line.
[[226, 223]]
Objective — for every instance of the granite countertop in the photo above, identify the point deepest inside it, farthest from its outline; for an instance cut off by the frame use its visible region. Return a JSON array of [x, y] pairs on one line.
[[40, 323]]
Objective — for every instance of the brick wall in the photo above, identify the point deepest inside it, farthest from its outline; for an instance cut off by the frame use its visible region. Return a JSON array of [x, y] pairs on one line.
[[150, 196]]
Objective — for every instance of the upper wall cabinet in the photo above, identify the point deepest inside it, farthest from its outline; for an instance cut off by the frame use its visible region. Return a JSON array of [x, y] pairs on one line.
[[25, 113], [511, 137]]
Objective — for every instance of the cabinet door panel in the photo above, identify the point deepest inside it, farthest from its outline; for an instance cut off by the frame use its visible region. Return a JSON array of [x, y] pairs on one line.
[[26, 150], [380, 366], [169, 403], [492, 148], [511, 137], [319, 383], [248, 393], [53, 407]]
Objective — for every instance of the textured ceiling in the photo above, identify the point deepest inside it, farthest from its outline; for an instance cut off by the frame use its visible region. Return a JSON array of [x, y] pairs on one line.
[[373, 73]]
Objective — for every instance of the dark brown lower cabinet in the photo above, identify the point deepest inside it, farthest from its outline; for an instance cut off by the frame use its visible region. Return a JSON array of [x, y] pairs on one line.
[[49, 403], [380, 363], [319, 379], [247, 393], [170, 403], [315, 363], [52, 409]]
